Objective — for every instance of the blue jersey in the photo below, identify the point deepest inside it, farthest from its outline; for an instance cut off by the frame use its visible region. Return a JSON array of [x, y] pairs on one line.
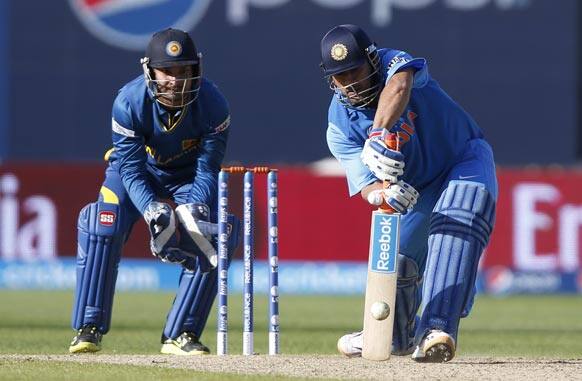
[[152, 145], [433, 129]]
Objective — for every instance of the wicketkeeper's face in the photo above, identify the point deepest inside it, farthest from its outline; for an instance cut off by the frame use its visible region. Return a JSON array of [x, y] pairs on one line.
[[175, 85]]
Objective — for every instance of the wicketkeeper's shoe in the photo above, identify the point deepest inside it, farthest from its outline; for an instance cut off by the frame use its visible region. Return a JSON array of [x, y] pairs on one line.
[[88, 339], [350, 345], [187, 344], [437, 346]]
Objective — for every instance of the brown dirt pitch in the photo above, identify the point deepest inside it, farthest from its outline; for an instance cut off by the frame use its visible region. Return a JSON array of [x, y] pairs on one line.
[[337, 367]]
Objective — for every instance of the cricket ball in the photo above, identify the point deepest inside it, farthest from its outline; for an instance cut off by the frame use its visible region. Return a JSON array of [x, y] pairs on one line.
[[380, 310]]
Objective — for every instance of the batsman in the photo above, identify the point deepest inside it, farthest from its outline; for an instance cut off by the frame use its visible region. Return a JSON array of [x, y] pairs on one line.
[[169, 129], [442, 181]]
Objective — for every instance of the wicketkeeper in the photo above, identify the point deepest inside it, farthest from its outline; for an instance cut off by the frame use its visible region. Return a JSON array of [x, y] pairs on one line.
[[447, 191], [169, 129]]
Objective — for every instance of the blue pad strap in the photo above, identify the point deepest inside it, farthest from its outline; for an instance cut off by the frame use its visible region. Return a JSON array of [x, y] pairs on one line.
[[196, 294], [98, 253], [407, 303], [460, 228]]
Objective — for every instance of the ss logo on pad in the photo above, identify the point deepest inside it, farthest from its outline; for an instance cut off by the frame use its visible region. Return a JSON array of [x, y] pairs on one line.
[[106, 218]]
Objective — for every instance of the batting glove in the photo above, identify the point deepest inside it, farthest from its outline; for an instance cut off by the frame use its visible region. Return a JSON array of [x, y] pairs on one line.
[[385, 163], [400, 196]]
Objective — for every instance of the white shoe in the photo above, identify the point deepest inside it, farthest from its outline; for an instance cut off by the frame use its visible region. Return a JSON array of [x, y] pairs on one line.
[[437, 346], [351, 344]]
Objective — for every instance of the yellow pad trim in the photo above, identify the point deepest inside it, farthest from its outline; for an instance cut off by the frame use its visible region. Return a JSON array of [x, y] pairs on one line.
[[108, 154], [109, 196]]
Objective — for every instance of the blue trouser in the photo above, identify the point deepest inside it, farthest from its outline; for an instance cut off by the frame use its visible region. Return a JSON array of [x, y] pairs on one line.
[[430, 240], [104, 226]]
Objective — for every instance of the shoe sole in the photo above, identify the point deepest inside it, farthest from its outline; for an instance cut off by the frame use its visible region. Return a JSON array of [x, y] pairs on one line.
[[171, 349], [353, 355], [84, 347], [437, 354], [440, 351]]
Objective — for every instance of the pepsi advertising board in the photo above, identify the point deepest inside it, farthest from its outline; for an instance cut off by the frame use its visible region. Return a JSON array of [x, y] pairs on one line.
[[501, 60]]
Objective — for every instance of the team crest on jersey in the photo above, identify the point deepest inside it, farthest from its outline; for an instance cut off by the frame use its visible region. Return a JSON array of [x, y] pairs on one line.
[[130, 25], [339, 52], [189, 143]]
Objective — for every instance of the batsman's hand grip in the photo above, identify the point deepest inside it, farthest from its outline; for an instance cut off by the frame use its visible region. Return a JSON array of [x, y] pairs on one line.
[[391, 141]]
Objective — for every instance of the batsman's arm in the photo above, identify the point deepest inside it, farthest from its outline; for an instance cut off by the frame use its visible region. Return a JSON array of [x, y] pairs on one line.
[[348, 153], [403, 73], [394, 98]]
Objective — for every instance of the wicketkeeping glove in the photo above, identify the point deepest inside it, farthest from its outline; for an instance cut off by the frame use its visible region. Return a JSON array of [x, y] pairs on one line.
[[400, 196], [196, 233], [385, 163], [161, 222]]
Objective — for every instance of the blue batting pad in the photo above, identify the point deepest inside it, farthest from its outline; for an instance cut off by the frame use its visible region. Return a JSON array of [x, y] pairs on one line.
[[98, 253], [407, 303], [196, 294], [460, 228]]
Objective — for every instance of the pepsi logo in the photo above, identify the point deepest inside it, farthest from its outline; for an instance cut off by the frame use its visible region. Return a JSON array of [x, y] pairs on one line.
[[498, 280], [129, 24]]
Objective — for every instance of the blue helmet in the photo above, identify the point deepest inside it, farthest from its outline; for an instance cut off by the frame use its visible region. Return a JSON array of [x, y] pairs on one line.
[[170, 48], [347, 47]]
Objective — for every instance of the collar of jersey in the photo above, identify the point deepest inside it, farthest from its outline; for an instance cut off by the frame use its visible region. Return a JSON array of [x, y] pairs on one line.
[[170, 127]]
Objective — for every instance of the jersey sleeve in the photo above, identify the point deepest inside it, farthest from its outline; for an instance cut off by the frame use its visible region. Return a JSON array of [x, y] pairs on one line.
[[129, 145], [212, 151], [401, 61], [348, 153]]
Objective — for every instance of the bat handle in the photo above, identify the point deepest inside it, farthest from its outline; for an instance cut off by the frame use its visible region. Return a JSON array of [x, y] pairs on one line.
[[391, 140]]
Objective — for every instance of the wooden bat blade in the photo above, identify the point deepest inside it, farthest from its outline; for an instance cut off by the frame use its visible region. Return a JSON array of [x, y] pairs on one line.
[[381, 284]]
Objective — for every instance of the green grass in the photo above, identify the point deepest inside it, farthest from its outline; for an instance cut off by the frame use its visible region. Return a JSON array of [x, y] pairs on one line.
[[38, 323], [13, 371], [528, 326]]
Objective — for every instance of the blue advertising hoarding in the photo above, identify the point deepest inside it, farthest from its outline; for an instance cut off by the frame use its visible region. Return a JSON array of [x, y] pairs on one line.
[[4, 71], [296, 277], [501, 60]]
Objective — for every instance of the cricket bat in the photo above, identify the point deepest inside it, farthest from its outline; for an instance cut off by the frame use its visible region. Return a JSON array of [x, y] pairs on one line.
[[382, 276]]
